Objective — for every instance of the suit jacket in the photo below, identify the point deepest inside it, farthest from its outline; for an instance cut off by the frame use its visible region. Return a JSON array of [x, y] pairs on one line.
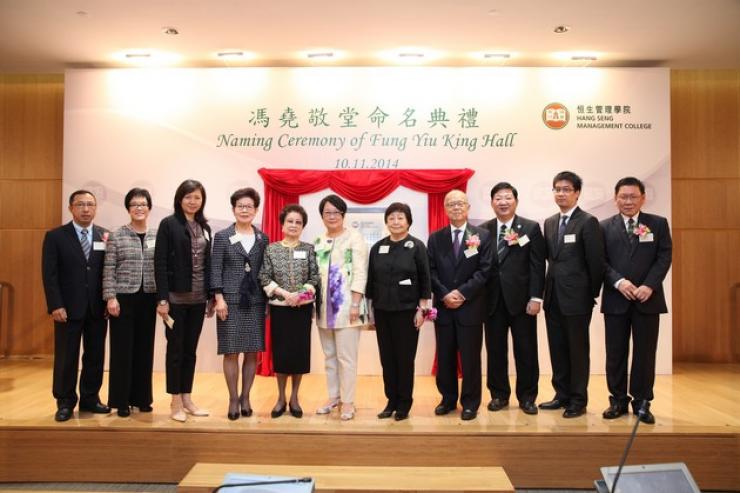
[[575, 269], [128, 265], [228, 262], [641, 262], [70, 280], [521, 269], [466, 274]]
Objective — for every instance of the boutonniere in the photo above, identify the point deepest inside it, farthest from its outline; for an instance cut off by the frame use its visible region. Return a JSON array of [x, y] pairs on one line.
[[105, 236], [641, 231], [408, 244], [473, 242], [511, 237]]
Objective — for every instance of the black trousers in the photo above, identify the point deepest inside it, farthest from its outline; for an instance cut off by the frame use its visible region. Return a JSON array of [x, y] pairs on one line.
[[132, 351], [524, 338], [468, 339], [182, 344], [644, 331], [397, 342], [570, 357], [91, 330]]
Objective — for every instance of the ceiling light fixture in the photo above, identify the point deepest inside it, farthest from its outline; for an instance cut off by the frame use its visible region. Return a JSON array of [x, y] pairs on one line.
[[230, 54], [170, 31], [138, 55], [582, 58], [561, 29], [410, 55], [497, 55], [325, 54]]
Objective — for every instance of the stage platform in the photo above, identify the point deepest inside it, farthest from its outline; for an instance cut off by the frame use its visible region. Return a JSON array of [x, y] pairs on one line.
[[697, 411]]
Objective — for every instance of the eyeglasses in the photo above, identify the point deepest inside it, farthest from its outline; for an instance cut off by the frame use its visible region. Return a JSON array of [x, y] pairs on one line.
[[625, 198], [563, 190], [82, 205], [244, 207], [138, 206], [331, 213], [456, 205]]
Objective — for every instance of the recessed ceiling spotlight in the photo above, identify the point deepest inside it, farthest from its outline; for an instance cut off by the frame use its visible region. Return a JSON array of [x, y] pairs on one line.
[[497, 55], [230, 54], [410, 55], [325, 54], [138, 55], [170, 31], [561, 29], [586, 58]]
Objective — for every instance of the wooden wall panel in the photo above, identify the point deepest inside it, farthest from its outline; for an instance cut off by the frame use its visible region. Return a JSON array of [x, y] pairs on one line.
[[705, 136], [31, 134]]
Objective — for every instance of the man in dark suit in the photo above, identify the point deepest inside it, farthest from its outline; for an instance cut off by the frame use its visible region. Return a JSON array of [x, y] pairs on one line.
[[638, 256], [459, 263], [575, 254], [514, 300], [72, 268]]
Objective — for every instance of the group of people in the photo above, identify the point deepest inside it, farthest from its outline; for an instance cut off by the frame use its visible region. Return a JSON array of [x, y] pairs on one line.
[[465, 278]]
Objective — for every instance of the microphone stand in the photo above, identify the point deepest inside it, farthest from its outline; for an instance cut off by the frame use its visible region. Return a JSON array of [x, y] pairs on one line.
[[262, 483], [640, 414]]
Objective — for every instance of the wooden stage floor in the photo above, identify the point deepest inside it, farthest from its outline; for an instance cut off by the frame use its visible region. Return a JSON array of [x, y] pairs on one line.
[[697, 411]]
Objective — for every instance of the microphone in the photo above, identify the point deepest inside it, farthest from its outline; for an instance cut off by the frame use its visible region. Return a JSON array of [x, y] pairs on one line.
[[640, 413]]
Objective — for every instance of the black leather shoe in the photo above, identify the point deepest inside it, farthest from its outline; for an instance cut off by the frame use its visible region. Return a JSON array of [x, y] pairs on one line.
[[443, 409], [468, 414], [642, 410], [574, 411], [553, 404], [276, 413], [528, 407], [498, 404], [124, 412], [614, 411], [232, 416], [386, 413], [296, 412], [647, 417], [401, 415], [97, 408], [145, 409], [63, 414]]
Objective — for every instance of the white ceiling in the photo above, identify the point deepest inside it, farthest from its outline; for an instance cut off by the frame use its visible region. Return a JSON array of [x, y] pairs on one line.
[[51, 35]]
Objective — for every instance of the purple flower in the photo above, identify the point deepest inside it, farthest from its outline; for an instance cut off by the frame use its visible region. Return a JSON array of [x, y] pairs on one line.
[[335, 295]]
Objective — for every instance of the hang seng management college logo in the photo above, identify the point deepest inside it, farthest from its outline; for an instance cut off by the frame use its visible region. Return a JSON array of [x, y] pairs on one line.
[[555, 116]]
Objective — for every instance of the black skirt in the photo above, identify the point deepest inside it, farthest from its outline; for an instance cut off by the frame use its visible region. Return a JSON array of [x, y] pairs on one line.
[[291, 338]]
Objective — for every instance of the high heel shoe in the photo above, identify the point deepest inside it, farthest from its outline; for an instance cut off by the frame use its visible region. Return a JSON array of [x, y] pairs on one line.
[[326, 408], [124, 412], [246, 412], [296, 412], [276, 413], [195, 410], [233, 415], [178, 414], [348, 412]]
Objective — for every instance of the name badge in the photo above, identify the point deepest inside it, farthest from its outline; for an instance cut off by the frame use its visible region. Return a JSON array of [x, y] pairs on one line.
[[405, 282], [648, 238], [523, 240], [300, 254], [206, 235], [99, 245], [384, 248], [235, 238], [470, 252], [151, 243], [569, 238]]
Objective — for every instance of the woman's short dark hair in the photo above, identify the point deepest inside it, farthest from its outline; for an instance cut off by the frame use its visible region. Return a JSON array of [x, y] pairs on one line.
[[137, 192], [293, 208], [334, 200], [245, 192], [399, 207], [186, 187]]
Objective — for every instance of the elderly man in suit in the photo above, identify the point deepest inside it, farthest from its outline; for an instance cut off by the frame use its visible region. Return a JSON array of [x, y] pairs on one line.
[[514, 300], [72, 268], [460, 263], [575, 254], [638, 256]]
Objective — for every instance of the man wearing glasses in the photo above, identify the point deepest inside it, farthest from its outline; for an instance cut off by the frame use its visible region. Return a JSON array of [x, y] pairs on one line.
[[575, 255], [460, 262], [72, 267]]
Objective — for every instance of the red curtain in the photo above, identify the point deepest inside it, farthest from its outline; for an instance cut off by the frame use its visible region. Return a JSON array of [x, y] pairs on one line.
[[285, 186]]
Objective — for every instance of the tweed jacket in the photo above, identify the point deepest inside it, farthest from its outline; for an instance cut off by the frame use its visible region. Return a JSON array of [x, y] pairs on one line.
[[228, 261], [127, 263]]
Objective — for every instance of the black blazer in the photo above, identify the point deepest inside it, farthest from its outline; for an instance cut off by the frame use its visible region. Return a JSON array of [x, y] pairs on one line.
[[405, 260], [521, 269], [173, 261], [71, 281], [466, 274], [228, 262], [641, 262], [575, 270]]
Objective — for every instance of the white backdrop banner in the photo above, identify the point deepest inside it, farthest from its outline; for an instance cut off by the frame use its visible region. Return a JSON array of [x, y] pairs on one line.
[[155, 128]]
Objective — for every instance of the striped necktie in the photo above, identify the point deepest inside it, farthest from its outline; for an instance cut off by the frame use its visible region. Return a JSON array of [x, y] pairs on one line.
[[501, 246], [85, 242]]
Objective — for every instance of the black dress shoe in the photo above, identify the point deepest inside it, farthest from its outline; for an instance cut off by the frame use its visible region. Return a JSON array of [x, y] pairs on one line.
[[553, 404], [124, 412], [468, 414], [97, 408], [276, 413], [146, 409], [574, 411], [614, 411], [63, 414], [296, 412], [401, 415], [528, 407], [386, 413], [647, 417], [642, 410], [232, 416], [443, 409], [498, 404]]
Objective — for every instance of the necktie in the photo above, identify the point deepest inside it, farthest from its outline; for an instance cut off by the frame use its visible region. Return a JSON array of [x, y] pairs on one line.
[[561, 229], [631, 230], [501, 242], [85, 243], [456, 243]]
